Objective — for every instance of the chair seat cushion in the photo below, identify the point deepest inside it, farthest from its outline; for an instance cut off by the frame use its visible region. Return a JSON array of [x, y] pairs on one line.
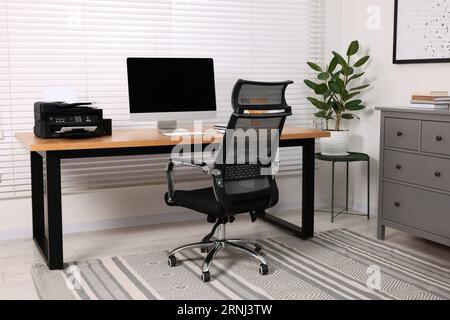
[[204, 201], [201, 200]]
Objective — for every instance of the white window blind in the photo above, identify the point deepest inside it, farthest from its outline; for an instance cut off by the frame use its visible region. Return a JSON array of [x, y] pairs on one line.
[[82, 45]]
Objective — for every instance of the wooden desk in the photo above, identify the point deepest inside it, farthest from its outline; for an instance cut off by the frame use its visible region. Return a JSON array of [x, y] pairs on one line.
[[46, 206]]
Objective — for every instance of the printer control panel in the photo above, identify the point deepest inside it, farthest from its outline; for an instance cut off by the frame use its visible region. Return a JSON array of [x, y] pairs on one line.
[[74, 119]]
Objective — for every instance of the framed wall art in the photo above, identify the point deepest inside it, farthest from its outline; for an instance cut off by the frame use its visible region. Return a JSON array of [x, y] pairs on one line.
[[421, 31]]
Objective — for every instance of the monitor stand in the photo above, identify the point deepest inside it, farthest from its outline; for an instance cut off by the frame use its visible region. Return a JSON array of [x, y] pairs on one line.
[[167, 126], [170, 128]]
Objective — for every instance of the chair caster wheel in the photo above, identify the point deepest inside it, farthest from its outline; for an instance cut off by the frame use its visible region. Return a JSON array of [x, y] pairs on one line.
[[172, 261], [206, 276], [263, 269], [259, 250]]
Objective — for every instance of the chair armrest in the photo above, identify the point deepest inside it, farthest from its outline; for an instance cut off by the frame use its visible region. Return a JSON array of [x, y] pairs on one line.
[[216, 175], [187, 162]]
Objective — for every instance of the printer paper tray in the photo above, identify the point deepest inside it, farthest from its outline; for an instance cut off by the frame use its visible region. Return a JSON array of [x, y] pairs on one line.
[[79, 128]]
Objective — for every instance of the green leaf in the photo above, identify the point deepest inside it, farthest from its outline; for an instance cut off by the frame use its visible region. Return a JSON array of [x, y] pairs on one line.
[[318, 104], [356, 76], [351, 95], [348, 71], [334, 87], [333, 64], [336, 75], [321, 114], [361, 62], [311, 84], [348, 116], [323, 76], [340, 83], [353, 48], [321, 89], [360, 87], [356, 108], [315, 67], [353, 103], [340, 59]]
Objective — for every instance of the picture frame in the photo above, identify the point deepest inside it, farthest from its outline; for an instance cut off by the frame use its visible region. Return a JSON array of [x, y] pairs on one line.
[[416, 36]]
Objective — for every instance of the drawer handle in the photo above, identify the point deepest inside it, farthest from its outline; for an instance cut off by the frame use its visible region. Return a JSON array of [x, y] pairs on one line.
[[399, 133], [398, 167], [439, 138], [397, 204], [437, 174]]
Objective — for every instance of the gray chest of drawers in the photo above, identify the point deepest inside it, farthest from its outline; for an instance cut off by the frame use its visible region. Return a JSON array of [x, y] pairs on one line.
[[414, 193]]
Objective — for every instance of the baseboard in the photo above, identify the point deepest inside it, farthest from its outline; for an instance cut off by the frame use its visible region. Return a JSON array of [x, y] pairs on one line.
[[133, 222], [357, 207], [362, 207], [128, 222], [322, 204], [154, 219], [15, 234], [109, 224]]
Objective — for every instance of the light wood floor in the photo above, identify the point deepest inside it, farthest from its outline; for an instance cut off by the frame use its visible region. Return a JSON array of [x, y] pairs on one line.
[[17, 256]]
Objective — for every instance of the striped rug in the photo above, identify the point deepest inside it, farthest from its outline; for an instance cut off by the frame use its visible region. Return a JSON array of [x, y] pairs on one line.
[[334, 265]]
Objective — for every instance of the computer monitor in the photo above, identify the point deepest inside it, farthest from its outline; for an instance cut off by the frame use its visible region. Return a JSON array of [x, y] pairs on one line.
[[170, 89]]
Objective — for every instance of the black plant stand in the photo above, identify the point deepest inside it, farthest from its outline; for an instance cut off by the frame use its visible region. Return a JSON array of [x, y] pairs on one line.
[[351, 157]]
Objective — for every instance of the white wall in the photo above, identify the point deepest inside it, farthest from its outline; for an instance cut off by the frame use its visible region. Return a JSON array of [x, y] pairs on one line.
[[392, 84]]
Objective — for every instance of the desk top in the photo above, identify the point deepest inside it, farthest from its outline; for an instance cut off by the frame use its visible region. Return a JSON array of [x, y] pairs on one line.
[[132, 138]]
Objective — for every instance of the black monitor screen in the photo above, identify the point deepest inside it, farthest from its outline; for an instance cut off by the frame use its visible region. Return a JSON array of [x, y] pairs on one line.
[[171, 85]]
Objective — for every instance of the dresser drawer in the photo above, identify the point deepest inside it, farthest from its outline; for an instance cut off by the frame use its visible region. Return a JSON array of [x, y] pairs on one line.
[[421, 170], [436, 137], [402, 133], [416, 208]]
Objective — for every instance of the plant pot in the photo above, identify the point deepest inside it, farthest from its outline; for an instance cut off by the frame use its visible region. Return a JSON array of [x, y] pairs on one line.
[[337, 144]]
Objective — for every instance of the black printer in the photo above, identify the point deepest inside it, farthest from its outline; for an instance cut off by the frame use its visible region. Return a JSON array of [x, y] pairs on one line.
[[69, 120]]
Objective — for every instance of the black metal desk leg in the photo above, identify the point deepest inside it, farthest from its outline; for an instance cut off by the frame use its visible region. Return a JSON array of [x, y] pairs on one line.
[[308, 188], [37, 200], [332, 191], [54, 212], [368, 189], [346, 189], [306, 231]]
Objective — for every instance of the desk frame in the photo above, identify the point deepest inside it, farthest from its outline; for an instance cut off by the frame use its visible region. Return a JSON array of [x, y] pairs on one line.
[[47, 202]]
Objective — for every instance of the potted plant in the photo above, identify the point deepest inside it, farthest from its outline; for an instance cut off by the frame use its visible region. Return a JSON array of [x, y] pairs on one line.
[[336, 96]]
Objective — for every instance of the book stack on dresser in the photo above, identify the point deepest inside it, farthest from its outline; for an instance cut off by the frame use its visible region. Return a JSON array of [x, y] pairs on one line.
[[430, 100], [414, 193]]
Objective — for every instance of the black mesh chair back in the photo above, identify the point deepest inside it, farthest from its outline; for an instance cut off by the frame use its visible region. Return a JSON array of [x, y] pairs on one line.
[[247, 155], [263, 95]]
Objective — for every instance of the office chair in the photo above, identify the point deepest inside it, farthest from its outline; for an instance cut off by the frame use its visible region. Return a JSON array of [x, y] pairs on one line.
[[242, 178]]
